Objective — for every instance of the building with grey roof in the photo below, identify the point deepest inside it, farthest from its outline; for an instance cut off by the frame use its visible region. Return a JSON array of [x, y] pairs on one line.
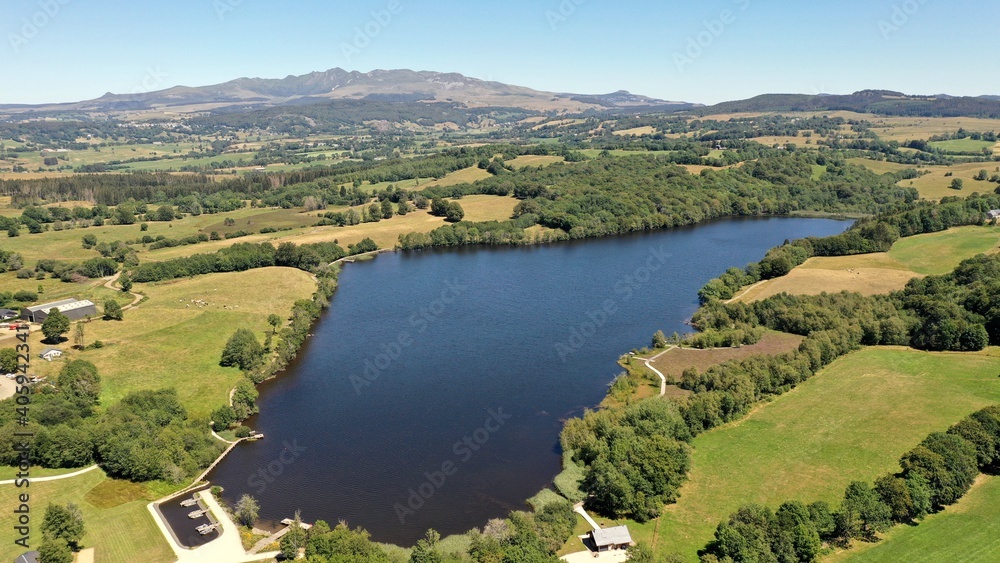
[[74, 308]]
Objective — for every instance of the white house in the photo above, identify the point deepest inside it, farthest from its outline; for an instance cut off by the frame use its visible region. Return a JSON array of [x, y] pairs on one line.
[[50, 354]]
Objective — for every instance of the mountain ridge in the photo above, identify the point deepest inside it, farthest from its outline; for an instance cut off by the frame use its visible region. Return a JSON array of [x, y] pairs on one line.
[[337, 83]]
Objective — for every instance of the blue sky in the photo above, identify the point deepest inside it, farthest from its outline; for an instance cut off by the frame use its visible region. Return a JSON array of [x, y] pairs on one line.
[[701, 51]]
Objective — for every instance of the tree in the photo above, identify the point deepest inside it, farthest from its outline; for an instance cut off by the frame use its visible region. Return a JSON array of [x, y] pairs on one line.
[[982, 175], [54, 550], [245, 399], [13, 231], [164, 213], [55, 325], [274, 321], [439, 207], [223, 417], [426, 549], [112, 310], [89, 241], [63, 522], [125, 281], [659, 340], [78, 338], [8, 360], [863, 513], [79, 379], [454, 213], [242, 351], [957, 184], [387, 209], [641, 553], [294, 540], [247, 510]]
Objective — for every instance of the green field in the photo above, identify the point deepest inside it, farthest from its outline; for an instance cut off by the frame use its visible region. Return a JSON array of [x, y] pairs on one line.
[[881, 272], [66, 244], [962, 145], [968, 531], [172, 325], [116, 520], [851, 422], [940, 253]]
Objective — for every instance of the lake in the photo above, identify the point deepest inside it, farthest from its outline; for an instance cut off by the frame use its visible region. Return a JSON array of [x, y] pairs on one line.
[[432, 393]]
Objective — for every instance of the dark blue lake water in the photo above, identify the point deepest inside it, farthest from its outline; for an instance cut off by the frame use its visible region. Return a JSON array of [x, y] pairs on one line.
[[432, 393]]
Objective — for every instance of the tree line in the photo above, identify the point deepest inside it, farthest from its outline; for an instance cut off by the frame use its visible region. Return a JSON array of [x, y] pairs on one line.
[[247, 256], [610, 196]]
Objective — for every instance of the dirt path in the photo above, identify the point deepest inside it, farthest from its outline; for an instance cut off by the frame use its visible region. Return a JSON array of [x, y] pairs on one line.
[[746, 291], [111, 285], [663, 379], [54, 477], [354, 257]]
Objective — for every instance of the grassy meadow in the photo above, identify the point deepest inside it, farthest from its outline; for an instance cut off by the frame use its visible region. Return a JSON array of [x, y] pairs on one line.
[[967, 531], [385, 232], [172, 324], [850, 422], [883, 272], [116, 520]]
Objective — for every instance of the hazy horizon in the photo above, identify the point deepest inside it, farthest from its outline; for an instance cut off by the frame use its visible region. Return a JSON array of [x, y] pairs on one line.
[[67, 51]]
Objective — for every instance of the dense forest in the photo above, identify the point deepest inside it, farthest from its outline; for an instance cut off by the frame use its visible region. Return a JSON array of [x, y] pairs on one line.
[[609, 196]]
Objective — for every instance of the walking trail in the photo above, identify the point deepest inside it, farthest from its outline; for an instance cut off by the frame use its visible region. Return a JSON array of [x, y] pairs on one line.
[[111, 285], [54, 477], [663, 379]]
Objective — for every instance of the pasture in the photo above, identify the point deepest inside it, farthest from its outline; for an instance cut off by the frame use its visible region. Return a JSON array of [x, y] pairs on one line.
[[937, 185], [850, 422], [966, 145], [385, 232], [940, 253], [871, 274], [188, 321], [967, 531], [117, 523]]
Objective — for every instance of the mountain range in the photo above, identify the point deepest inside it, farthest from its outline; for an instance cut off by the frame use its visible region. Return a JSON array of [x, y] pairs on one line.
[[339, 84]]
